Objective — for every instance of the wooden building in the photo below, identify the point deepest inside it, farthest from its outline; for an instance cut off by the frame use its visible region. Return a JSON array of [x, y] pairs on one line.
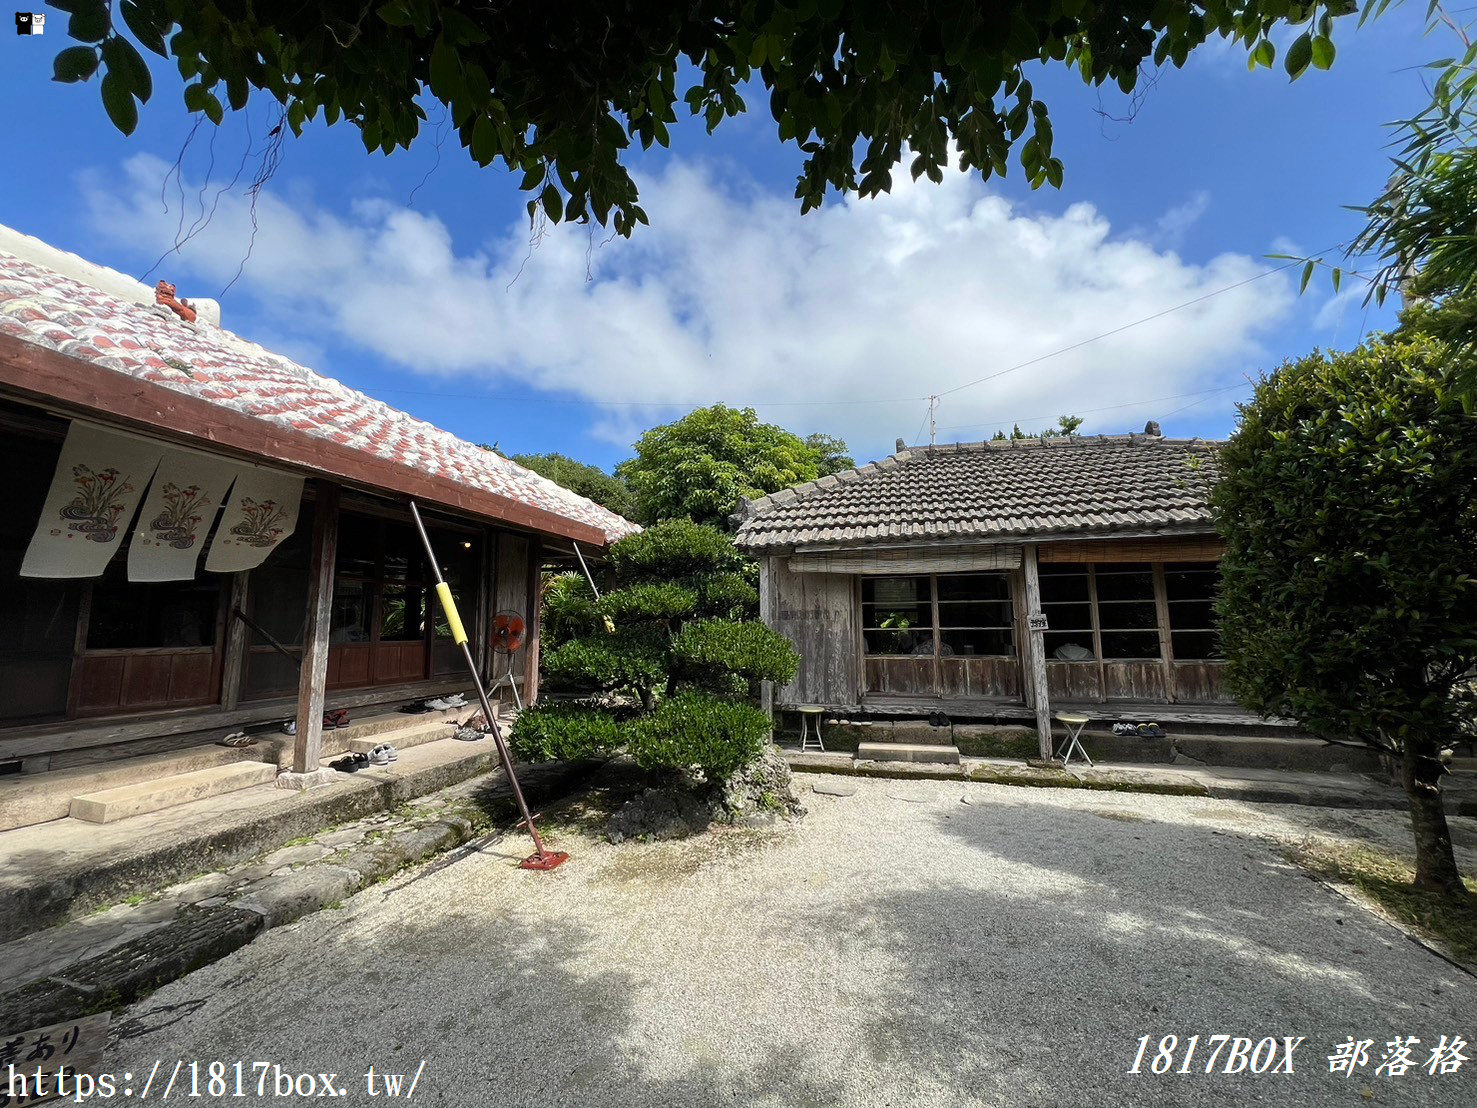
[[117, 635], [1001, 579]]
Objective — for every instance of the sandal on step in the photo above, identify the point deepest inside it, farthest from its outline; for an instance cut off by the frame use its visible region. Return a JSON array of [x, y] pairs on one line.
[[339, 717], [236, 740]]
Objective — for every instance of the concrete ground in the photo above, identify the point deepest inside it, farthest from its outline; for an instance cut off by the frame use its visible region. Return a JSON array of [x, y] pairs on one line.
[[914, 943]]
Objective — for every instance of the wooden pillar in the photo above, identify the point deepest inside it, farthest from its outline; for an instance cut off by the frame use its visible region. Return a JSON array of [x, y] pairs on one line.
[[535, 619], [233, 659], [308, 746], [1036, 650]]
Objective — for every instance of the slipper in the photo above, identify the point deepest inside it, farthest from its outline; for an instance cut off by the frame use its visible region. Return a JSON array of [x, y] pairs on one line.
[[350, 763], [339, 717], [236, 739]]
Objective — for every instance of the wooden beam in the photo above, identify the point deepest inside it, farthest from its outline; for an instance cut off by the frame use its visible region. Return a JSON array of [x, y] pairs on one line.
[[534, 620], [1036, 653], [38, 375], [1188, 548], [233, 658], [307, 747]]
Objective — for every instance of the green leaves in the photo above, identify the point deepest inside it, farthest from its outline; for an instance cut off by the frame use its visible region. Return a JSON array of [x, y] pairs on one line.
[[857, 87], [1299, 55], [118, 102], [75, 63], [200, 99], [121, 56]]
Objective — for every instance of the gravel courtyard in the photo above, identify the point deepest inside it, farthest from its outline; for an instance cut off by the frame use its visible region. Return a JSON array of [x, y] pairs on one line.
[[917, 943]]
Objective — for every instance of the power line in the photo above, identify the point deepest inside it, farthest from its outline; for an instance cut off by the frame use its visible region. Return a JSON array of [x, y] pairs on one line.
[[1119, 330], [1104, 408]]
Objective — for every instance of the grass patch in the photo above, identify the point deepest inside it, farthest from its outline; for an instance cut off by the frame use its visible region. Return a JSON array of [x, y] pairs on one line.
[[1386, 880]]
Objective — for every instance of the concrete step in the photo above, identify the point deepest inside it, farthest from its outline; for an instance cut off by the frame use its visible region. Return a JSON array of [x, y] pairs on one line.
[[38, 797], [406, 737], [907, 752], [109, 805]]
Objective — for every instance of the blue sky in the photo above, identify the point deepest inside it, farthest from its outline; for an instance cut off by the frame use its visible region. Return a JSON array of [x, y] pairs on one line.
[[412, 277]]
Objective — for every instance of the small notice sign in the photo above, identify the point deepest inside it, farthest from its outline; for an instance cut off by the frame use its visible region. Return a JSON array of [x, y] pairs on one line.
[[40, 1064], [1036, 621]]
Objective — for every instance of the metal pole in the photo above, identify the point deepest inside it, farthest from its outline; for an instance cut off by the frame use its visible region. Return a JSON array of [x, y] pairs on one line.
[[541, 859], [580, 555]]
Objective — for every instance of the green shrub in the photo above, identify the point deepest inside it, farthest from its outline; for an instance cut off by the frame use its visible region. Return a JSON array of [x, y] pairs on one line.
[[696, 729], [751, 649], [648, 601], [671, 549], [627, 660], [569, 608], [728, 596], [565, 733]]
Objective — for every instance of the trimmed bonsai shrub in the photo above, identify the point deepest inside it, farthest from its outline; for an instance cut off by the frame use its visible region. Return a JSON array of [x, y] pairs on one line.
[[1348, 501], [567, 732], [681, 665], [700, 729]]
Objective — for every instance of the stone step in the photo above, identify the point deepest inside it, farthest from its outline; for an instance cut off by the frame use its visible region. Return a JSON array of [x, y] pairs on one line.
[[109, 805], [422, 731], [907, 752], [38, 797]]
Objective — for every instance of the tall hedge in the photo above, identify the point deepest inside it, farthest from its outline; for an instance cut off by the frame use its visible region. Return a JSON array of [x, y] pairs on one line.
[[665, 663], [1348, 501]]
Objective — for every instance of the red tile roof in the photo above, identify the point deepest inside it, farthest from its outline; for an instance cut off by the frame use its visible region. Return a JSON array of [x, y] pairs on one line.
[[150, 343]]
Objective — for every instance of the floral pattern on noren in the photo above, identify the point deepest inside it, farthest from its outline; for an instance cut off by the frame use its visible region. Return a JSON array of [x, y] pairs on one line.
[[176, 524], [259, 528], [94, 511]]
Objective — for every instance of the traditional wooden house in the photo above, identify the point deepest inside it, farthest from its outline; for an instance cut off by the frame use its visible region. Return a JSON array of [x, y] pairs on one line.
[[199, 535], [1000, 580]]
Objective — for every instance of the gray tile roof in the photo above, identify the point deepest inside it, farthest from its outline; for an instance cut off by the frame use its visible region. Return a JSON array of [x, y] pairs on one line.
[[995, 490]]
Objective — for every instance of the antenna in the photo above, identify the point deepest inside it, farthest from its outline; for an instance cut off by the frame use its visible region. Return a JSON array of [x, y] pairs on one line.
[[933, 403]]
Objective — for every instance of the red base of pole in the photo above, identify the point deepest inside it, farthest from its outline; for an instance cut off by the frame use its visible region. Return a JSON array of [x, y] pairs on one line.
[[551, 859]]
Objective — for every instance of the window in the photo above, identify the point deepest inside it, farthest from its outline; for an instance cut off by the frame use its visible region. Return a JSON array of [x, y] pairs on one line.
[[1189, 589], [897, 615], [1128, 620], [975, 615], [1066, 601]]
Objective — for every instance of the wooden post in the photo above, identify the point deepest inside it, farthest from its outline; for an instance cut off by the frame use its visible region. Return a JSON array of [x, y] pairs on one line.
[[233, 659], [1036, 651], [535, 612], [307, 748]]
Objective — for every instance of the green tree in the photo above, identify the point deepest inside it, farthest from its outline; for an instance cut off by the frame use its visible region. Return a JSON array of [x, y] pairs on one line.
[[831, 454], [587, 480], [1065, 425], [665, 663], [559, 92], [1348, 500], [700, 466]]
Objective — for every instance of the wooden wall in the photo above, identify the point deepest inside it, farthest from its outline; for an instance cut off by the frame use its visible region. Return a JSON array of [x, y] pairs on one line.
[[1188, 548], [817, 612]]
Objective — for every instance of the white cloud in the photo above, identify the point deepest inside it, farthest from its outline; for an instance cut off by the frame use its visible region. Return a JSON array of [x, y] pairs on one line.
[[1172, 226], [732, 296]]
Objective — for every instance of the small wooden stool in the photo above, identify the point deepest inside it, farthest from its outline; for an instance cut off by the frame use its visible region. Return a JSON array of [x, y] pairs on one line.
[[1075, 724], [810, 727]]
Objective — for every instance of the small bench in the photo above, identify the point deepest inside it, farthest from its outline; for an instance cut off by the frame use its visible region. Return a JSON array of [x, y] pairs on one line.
[[810, 727]]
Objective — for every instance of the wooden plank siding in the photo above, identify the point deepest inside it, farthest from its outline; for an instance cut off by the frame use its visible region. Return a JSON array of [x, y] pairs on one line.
[[818, 613], [1190, 548], [906, 562]]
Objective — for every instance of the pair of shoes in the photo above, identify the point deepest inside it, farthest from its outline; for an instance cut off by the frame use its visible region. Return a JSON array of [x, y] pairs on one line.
[[351, 763], [290, 727], [938, 719], [236, 740], [1125, 729], [339, 717], [414, 709], [383, 755], [468, 734], [446, 703], [1150, 731]]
